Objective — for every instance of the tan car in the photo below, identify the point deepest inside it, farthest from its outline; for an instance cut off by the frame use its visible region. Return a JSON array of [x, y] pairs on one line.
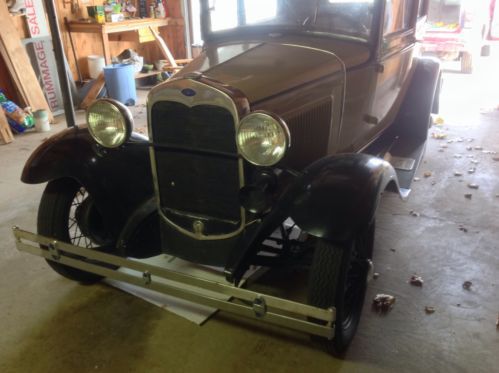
[[272, 149]]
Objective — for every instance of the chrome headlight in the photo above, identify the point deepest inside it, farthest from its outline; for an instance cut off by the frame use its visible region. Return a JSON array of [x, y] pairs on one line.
[[262, 138], [109, 122]]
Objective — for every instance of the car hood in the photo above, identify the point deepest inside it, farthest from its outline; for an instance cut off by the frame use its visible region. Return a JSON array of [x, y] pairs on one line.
[[263, 70]]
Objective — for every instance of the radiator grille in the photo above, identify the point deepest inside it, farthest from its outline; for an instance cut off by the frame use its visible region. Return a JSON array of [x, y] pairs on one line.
[[197, 165]]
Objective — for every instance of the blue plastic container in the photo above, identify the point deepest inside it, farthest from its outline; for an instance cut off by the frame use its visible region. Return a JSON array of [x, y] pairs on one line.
[[120, 83]]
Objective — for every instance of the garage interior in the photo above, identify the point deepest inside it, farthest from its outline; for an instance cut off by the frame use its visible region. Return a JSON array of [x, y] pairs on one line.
[[447, 232]]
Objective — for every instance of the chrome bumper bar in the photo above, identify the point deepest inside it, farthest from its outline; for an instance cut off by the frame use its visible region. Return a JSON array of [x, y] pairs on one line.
[[274, 310]]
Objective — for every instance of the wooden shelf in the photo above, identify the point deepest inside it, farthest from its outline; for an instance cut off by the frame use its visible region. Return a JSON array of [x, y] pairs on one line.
[[145, 75], [104, 29], [128, 25]]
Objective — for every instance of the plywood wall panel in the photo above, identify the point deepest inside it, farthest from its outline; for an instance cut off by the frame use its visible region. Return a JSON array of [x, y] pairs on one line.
[[87, 44]]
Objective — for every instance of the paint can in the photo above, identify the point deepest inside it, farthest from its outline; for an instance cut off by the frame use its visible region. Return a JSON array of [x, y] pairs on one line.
[[41, 121]]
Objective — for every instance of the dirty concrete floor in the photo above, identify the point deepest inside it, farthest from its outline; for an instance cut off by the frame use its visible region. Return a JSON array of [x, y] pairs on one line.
[[49, 324]]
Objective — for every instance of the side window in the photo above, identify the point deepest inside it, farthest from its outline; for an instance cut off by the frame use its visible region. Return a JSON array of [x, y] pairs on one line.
[[398, 16], [258, 11], [223, 14]]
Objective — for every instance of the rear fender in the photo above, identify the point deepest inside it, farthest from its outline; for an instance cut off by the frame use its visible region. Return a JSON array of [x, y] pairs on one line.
[[119, 180]]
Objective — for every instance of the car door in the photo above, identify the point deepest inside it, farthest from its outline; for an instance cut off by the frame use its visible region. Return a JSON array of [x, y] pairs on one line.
[[394, 58]]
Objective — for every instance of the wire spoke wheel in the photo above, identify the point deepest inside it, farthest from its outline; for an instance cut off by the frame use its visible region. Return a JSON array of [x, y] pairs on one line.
[[62, 206]]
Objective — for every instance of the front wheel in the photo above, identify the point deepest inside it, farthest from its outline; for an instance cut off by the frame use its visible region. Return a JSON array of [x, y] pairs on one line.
[[338, 278], [68, 214]]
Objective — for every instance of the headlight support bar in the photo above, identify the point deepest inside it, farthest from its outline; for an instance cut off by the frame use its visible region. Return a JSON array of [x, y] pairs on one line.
[[253, 305]]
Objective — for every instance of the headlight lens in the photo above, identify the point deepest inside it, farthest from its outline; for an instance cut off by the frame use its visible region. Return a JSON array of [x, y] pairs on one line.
[[109, 122], [262, 138]]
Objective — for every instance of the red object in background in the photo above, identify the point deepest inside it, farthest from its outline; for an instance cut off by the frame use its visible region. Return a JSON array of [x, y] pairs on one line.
[[494, 21]]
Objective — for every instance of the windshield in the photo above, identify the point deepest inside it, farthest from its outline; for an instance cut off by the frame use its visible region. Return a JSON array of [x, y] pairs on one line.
[[343, 17], [444, 14]]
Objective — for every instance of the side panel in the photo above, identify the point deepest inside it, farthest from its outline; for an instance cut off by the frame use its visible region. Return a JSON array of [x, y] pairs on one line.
[[394, 71], [118, 179]]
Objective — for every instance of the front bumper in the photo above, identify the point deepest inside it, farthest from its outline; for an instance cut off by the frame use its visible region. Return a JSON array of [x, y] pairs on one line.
[[244, 302]]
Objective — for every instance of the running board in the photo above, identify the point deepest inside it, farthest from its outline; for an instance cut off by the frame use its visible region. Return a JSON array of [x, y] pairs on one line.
[[258, 306], [406, 155]]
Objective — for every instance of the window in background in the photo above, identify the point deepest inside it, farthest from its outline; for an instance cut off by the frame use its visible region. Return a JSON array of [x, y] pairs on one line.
[[259, 10]]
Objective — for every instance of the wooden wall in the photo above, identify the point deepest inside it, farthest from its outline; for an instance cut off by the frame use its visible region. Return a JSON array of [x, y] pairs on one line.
[[87, 44], [5, 80]]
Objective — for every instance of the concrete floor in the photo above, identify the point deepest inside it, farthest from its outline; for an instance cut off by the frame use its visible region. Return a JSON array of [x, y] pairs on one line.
[[49, 324]]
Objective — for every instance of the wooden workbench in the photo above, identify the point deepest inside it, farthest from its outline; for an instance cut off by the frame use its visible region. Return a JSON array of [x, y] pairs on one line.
[[104, 29]]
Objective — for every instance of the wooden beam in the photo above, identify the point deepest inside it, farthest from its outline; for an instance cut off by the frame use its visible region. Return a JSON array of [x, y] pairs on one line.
[[19, 65], [163, 48], [5, 132], [97, 86]]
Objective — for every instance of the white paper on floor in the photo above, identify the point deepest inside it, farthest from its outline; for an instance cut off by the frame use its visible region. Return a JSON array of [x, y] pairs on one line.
[[191, 311]]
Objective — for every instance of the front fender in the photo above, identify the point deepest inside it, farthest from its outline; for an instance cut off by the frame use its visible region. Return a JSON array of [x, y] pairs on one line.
[[119, 180], [338, 195], [333, 198]]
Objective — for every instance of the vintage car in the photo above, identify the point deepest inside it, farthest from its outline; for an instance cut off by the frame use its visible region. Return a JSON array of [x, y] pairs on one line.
[[272, 148], [457, 30]]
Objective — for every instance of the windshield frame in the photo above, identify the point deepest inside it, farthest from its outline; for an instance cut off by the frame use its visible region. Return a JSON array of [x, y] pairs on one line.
[[244, 31]]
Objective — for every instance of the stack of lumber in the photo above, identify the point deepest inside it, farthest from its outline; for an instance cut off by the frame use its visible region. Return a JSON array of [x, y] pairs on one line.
[[19, 65], [5, 132]]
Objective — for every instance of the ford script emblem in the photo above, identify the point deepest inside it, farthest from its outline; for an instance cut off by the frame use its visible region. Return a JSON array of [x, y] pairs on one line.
[[188, 92]]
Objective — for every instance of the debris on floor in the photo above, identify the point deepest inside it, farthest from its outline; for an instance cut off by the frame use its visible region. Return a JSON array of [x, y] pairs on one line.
[[439, 121], [457, 173], [469, 148], [467, 285], [474, 161], [478, 148], [463, 229], [383, 302], [375, 275], [429, 310], [473, 186], [416, 281], [472, 170], [468, 196], [428, 174], [458, 156], [417, 179], [415, 214], [439, 135]]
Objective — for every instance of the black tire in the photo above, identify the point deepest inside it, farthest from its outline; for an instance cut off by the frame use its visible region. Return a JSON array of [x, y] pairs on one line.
[[54, 221], [466, 63], [338, 278]]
